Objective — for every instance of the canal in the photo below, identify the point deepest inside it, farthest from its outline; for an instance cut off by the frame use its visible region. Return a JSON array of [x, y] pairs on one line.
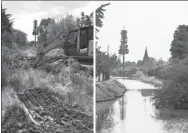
[[134, 113]]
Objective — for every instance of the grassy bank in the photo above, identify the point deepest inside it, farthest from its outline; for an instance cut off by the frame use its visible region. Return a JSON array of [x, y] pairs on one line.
[[109, 90], [148, 80], [168, 112], [54, 98]]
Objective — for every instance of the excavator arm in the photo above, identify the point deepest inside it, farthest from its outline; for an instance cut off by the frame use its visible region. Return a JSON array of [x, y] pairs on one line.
[[50, 46], [77, 43]]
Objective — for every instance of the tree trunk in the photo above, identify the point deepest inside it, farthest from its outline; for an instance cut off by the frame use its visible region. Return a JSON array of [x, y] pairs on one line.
[[107, 76], [103, 76], [99, 79], [123, 63], [35, 40]]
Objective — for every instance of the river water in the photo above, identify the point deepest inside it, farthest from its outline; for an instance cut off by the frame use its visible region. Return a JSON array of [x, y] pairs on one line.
[[134, 113]]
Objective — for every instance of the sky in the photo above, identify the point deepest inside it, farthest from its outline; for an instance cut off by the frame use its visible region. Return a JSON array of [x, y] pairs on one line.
[[24, 12], [150, 24]]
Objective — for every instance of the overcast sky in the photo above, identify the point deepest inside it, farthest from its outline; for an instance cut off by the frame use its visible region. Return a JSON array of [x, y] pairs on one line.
[[150, 24], [24, 12]]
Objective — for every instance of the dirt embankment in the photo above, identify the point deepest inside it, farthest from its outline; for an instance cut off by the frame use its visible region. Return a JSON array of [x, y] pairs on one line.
[[109, 90], [44, 111]]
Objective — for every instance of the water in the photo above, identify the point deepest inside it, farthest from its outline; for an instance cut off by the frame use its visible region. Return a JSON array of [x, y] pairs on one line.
[[134, 113]]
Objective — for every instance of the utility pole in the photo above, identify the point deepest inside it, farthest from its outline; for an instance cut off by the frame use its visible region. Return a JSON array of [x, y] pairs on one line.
[[108, 49], [35, 32], [35, 40]]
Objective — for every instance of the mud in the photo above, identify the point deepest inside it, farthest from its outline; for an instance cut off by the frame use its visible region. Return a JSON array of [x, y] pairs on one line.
[[48, 112]]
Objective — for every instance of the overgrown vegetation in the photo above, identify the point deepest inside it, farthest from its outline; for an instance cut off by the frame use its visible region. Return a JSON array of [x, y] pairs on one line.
[[128, 72], [105, 63], [174, 93], [59, 82]]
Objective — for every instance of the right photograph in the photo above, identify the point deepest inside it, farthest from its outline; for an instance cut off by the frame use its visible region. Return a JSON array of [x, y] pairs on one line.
[[141, 67]]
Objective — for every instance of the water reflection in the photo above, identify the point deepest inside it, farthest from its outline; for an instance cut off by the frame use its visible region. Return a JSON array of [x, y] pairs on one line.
[[122, 108], [148, 92], [134, 113], [104, 120]]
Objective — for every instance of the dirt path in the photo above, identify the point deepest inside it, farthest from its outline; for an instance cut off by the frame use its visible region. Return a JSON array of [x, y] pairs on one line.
[[50, 110]]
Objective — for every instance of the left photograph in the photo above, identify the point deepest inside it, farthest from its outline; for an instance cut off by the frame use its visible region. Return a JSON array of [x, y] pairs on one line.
[[47, 67]]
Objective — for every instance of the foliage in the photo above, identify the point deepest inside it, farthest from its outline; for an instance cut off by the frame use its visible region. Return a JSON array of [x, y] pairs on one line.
[[20, 81], [124, 72], [179, 45], [84, 20], [10, 53], [160, 70], [6, 21], [105, 63], [15, 38], [52, 33], [35, 31], [35, 26], [31, 43], [174, 93], [44, 28], [99, 16], [160, 62], [128, 64], [139, 63], [49, 28], [6, 28], [20, 38], [123, 47]]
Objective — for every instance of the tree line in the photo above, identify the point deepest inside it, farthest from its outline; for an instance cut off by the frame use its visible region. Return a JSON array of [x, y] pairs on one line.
[[174, 93]]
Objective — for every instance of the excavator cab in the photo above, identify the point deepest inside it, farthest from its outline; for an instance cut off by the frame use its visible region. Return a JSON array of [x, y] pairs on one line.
[[79, 45]]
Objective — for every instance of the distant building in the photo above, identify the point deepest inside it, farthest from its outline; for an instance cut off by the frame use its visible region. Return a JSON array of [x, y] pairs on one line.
[[148, 62]]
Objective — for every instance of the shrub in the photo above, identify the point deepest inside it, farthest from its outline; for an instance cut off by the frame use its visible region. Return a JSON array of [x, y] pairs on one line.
[[174, 93], [126, 72]]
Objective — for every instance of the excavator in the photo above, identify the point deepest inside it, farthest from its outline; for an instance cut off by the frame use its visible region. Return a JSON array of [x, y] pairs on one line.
[[77, 44]]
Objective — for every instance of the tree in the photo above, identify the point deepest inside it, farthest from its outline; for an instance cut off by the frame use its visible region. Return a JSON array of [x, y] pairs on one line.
[[44, 28], [179, 45], [139, 63], [123, 47], [6, 22], [174, 92], [105, 63], [130, 64], [6, 43], [99, 16], [6, 28], [85, 20], [52, 35], [20, 38], [35, 31], [31, 43], [160, 62]]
